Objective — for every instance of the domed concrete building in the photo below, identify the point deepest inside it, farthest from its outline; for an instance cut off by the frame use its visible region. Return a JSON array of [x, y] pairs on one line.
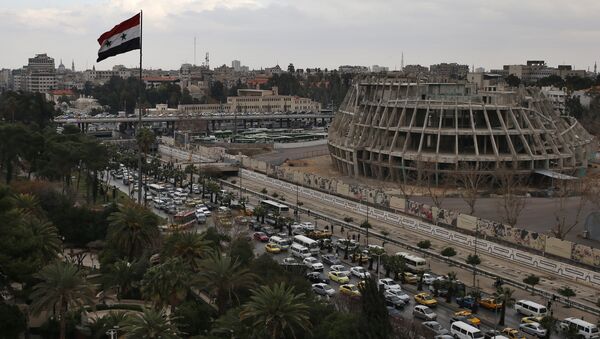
[[388, 128]]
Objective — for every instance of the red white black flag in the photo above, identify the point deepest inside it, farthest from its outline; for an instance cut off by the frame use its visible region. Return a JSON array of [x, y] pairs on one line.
[[122, 38]]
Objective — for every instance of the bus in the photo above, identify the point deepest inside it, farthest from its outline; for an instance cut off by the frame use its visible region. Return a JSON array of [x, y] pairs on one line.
[[184, 220], [274, 206], [156, 189], [413, 263], [312, 245]]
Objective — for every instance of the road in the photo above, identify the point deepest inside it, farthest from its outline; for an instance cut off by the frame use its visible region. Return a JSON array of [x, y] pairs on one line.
[[585, 293], [279, 156]]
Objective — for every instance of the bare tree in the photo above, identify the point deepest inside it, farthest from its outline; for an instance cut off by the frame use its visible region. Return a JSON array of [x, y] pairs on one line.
[[512, 204], [471, 178], [569, 202], [435, 184]]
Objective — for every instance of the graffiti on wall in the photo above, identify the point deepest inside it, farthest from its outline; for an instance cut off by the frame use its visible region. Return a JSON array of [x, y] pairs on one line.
[[585, 254]]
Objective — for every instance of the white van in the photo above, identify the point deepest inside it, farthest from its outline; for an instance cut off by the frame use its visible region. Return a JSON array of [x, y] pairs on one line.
[[529, 308], [462, 330], [584, 328], [284, 244], [300, 251]]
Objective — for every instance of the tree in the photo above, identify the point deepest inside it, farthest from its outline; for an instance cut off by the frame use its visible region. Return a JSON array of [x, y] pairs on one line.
[[510, 183], [569, 193], [505, 295], [549, 323], [436, 184], [567, 292], [100, 326], [276, 311], [451, 285], [448, 252], [121, 275], [167, 283], [470, 178], [194, 317], [532, 280], [424, 244], [12, 321], [150, 324], [473, 260], [132, 229], [512, 80], [62, 287], [366, 225], [188, 246], [291, 68], [374, 321], [222, 276], [260, 212]]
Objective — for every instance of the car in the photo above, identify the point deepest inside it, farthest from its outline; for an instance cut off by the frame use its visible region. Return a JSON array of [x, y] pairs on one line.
[[425, 299], [323, 289], [512, 333], [428, 278], [533, 328], [316, 277], [465, 316], [394, 301], [269, 231], [360, 272], [350, 290], [339, 277], [389, 284], [260, 236], [394, 312], [398, 293], [272, 248], [339, 268], [526, 320], [331, 259], [342, 244], [410, 278], [490, 303], [494, 334], [313, 263], [424, 312], [360, 257], [466, 302], [434, 328], [290, 261]]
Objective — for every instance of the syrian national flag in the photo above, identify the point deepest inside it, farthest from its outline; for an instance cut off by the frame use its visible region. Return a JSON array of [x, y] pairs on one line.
[[122, 38]]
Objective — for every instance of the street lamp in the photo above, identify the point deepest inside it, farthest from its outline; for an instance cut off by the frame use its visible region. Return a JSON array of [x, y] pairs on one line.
[[113, 332]]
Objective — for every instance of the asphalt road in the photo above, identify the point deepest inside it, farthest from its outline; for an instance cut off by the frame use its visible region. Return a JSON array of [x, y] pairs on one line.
[[277, 157]]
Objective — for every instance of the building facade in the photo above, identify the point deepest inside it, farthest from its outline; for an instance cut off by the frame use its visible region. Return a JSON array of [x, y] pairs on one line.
[[448, 71]]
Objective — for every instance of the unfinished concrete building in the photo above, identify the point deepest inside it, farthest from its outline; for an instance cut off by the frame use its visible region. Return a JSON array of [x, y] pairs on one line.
[[389, 128]]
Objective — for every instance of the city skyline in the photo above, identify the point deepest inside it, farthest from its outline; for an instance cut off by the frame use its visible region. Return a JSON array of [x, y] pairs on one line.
[[262, 33]]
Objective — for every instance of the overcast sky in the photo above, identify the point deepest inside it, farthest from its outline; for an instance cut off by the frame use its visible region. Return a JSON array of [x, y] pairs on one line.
[[308, 33]]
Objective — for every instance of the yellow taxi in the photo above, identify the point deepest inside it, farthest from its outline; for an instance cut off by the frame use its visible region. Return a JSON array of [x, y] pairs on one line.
[[512, 333], [272, 248], [339, 277], [527, 320], [364, 258], [350, 290], [410, 278], [468, 317], [425, 299], [490, 303]]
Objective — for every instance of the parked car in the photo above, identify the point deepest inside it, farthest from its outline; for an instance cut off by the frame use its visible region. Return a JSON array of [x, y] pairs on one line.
[[424, 312], [534, 329], [323, 289], [316, 277], [425, 299], [360, 272], [428, 278], [331, 259], [260, 236], [313, 263], [434, 328]]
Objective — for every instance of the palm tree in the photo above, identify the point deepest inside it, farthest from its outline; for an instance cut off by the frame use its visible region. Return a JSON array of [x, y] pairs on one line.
[[260, 212], [45, 234], [28, 203], [167, 283], [191, 170], [121, 274], [111, 320], [132, 229], [150, 324], [145, 138], [277, 310], [505, 295], [451, 286], [61, 286], [190, 247], [222, 276]]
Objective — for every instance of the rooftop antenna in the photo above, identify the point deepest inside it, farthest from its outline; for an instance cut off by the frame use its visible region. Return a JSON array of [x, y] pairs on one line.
[[595, 67], [194, 50], [402, 62], [206, 60]]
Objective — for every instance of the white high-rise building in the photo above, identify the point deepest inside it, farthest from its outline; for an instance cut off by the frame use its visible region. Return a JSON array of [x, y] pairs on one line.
[[39, 75], [236, 65]]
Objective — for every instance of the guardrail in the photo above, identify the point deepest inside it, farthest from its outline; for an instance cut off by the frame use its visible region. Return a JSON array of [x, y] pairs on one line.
[[457, 263]]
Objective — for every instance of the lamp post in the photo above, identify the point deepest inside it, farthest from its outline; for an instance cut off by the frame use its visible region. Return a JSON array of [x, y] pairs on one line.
[[113, 332]]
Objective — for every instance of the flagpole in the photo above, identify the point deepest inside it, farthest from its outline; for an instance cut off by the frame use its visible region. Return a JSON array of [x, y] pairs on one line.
[[139, 129]]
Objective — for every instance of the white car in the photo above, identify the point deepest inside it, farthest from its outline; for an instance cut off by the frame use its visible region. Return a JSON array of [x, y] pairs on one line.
[[405, 297], [308, 226], [360, 272], [323, 289], [313, 263], [533, 329], [338, 268], [424, 312], [389, 284], [428, 278]]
